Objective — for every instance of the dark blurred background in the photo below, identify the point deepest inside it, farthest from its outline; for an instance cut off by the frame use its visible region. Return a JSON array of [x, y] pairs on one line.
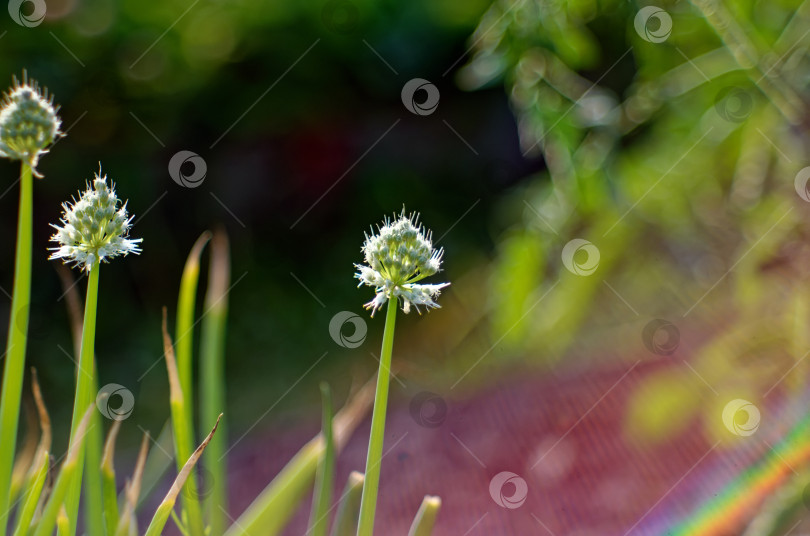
[[295, 108]]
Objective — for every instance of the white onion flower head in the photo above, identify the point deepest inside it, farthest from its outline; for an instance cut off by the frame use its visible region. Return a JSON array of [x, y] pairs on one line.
[[397, 256], [94, 227], [28, 122]]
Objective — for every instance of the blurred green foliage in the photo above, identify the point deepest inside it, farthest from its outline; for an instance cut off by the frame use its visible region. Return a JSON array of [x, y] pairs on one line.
[[674, 151]]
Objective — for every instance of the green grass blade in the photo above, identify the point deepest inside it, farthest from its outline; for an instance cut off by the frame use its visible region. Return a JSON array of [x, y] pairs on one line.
[[186, 303], [184, 340], [181, 415], [349, 508], [133, 491], [279, 500], [85, 390], [32, 496], [63, 524], [14, 365], [165, 508], [368, 504], [325, 475], [108, 486], [25, 454], [66, 478], [212, 374], [426, 516], [33, 486]]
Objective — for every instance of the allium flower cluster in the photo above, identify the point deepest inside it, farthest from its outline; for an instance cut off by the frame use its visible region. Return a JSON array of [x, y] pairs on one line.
[[28, 122], [397, 256], [94, 228]]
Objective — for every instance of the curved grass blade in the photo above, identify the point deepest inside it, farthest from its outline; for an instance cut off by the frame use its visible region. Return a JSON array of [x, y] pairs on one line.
[[164, 510], [133, 490]]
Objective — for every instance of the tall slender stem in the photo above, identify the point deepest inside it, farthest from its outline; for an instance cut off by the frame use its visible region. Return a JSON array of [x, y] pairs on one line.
[[85, 385], [93, 498], [368, 503], [14, 367]]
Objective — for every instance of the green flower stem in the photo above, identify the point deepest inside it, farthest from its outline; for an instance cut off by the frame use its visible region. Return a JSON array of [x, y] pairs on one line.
[[93, 489], [368, 504], [14, 367], [85, 394]]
